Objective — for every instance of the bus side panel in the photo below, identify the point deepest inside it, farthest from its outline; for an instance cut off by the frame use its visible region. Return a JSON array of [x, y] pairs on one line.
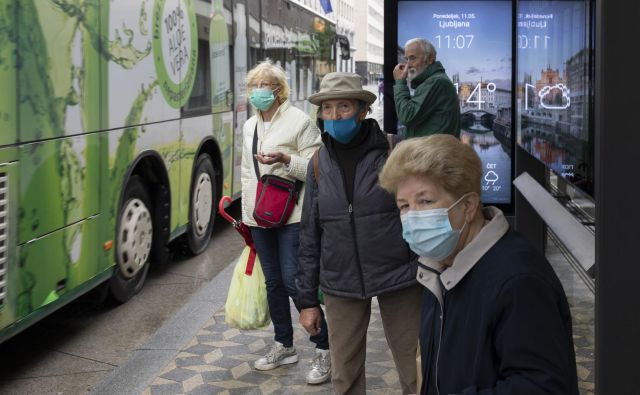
[[55, 264], [56, 69], [125, 145], [8, 36], [194, 131], [132, 70], [59, 184], [8, 260], [154, 48], [223, 132]]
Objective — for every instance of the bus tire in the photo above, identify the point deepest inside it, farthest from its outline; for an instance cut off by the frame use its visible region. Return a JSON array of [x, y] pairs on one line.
[[202, 206], [134, 240]]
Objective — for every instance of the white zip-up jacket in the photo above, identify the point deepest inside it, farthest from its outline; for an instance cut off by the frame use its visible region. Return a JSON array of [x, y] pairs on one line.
[[292, 132]]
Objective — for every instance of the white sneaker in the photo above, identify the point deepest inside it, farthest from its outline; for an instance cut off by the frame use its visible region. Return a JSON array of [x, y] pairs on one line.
[[320, 367], [278, 355]]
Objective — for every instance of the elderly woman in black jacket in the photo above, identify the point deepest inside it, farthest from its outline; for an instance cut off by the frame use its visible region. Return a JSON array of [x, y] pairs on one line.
[[495, 319], [351, 243]]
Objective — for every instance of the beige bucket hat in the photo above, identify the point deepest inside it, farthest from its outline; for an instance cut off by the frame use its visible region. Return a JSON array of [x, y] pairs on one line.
[[340, 85]]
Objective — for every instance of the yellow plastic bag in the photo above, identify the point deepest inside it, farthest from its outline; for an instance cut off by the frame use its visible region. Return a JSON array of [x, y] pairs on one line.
[[246, 306]]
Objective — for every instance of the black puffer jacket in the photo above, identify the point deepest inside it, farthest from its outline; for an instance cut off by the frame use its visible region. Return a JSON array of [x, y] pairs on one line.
[[353, 250]]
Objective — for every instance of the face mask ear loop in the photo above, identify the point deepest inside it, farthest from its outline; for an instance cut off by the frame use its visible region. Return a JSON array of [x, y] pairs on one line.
[[276, 96], [462, 229], [453, 205], [458, 201]]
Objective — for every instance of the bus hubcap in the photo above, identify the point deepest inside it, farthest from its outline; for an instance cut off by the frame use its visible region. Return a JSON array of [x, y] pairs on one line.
[[202, 204], [134, 238]]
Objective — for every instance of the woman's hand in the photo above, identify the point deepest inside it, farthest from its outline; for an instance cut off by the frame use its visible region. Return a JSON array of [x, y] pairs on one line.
[[311, 319], [273, 157]]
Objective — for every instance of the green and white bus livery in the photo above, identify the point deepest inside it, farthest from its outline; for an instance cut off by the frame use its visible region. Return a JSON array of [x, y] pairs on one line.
[[118, 125]]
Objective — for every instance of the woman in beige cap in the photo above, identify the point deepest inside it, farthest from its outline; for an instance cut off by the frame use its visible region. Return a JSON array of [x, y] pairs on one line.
[[351, 244]]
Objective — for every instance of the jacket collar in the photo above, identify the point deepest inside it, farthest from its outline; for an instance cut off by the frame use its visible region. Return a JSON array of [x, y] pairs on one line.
[[467, 258], [435, 67], [282, 108]]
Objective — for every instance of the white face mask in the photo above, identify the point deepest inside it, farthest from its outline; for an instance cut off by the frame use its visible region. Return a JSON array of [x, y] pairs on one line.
[[429, 233]]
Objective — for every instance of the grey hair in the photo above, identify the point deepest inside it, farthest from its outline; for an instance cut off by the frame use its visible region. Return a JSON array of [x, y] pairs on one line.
[[425, 45]]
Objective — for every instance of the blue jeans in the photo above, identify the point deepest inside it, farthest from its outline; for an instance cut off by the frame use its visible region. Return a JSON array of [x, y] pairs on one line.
[[278, 252]]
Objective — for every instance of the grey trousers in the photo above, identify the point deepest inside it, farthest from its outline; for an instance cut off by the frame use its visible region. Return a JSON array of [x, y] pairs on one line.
[[348, 321]]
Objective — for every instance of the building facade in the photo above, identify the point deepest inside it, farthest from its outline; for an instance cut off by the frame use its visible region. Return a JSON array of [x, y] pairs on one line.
[[342, 13], [369, 54]]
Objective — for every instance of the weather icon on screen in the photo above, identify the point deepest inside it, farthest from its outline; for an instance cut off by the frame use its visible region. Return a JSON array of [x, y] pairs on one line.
[[555, 97], [491, 177]]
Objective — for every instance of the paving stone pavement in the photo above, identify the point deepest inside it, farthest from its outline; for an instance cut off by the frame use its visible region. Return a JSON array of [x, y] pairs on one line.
[[219, 359]]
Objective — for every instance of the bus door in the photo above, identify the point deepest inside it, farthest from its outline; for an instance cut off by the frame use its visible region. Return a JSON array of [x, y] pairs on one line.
[[221, 29], [239, 85]]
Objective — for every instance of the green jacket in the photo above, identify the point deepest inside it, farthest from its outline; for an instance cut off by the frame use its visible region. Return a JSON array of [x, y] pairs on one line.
[[434, 107]]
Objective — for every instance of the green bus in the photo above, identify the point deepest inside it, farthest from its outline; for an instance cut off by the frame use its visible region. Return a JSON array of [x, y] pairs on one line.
[[120, 128]]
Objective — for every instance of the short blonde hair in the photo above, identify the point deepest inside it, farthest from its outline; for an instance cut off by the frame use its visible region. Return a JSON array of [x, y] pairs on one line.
[[455, 166], [266, 69]]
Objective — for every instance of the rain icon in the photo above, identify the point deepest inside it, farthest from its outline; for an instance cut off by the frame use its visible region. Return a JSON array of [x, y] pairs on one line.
[[491, 177]]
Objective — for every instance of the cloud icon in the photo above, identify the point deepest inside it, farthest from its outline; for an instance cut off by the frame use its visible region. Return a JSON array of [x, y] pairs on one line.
[[555, 97], [491, 177]]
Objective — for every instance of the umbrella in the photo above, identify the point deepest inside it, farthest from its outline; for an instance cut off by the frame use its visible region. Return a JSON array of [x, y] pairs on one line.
[[244, 231]]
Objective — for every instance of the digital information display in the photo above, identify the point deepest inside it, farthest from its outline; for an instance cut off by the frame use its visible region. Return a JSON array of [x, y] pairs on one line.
[[473, 42], [553, 87]]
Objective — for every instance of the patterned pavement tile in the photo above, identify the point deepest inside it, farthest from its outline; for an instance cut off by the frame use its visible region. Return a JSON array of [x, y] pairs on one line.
[[219, 359], [167, 389]]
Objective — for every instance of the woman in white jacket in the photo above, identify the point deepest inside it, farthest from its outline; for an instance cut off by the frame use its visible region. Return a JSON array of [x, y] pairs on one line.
[[287, 138]]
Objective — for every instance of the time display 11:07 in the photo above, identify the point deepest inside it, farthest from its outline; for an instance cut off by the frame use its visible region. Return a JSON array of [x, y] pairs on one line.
[[460, 41]]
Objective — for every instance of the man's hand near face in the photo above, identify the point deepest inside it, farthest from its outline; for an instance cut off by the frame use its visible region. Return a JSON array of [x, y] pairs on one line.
[[400, 72]]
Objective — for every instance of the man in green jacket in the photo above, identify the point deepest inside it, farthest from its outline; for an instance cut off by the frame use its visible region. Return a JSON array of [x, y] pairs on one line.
[[433, 107]]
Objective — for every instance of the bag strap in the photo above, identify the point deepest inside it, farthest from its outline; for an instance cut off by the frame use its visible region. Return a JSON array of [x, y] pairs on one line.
[[316, 164], [254, 151]]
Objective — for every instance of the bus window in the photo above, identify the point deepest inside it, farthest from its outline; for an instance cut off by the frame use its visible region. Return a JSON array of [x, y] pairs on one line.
[[220, 59], [200, 100]]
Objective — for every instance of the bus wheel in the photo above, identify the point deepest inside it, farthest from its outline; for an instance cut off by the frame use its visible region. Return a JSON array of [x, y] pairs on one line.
[[134, 241], [202, 210]]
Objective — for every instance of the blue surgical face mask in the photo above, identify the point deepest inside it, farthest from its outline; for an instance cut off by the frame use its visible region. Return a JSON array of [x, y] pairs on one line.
[[262, 98], [343, 130], [429, 233]]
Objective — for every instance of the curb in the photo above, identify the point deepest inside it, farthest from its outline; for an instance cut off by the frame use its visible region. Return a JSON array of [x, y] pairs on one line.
[[148, 360]]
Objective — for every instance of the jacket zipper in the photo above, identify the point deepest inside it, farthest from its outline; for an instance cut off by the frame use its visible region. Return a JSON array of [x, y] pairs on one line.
[[439, 342], [355, 241], [351, 219], [353, 229]]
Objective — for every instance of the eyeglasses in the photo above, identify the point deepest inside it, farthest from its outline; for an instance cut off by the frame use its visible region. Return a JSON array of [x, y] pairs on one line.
[[340, 108], [263, 85]]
